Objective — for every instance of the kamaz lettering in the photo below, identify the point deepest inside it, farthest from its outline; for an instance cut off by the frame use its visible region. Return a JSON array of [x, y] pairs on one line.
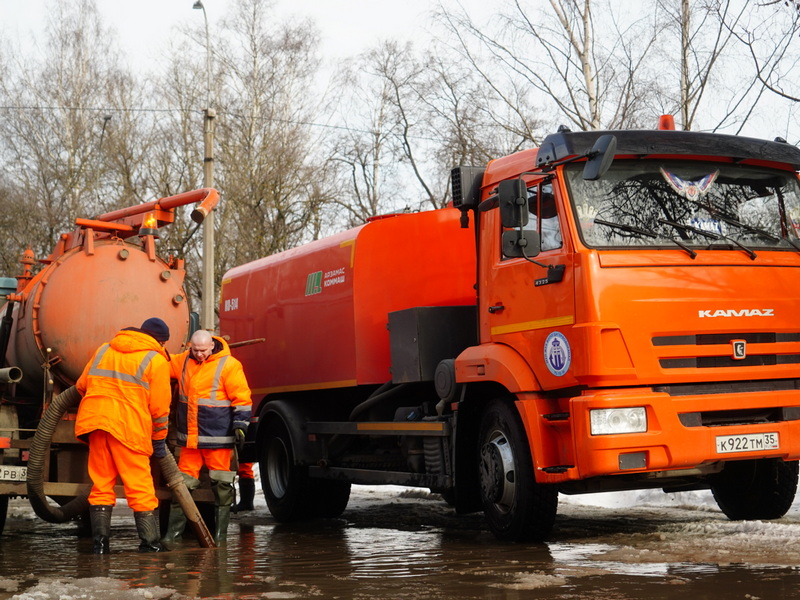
[[745, 312]]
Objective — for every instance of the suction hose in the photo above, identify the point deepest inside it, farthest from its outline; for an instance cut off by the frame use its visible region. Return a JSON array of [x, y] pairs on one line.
[[175, 482], [40, 448]]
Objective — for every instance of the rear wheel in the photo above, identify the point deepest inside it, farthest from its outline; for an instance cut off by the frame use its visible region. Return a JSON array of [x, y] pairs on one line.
[[330, 497], [516, 507], [3, 512], [755, 489], [285, 485]]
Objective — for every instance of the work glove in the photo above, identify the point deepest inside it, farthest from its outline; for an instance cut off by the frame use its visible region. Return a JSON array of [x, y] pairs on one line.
[[159, 448], [238, 438]]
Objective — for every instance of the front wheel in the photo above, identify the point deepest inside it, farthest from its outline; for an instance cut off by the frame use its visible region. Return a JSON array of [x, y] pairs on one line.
[[748, 490], [516, 507]]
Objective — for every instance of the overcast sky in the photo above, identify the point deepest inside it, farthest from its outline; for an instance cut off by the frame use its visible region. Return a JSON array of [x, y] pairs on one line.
[[144, 26]]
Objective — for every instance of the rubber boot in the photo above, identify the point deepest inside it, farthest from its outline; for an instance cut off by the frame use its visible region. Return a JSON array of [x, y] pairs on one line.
[[222, 486], [100, 519], [177, 518], [147, 528], [247, 492]]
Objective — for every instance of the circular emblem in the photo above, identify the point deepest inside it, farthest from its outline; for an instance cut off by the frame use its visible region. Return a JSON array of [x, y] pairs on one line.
[[557, 355]]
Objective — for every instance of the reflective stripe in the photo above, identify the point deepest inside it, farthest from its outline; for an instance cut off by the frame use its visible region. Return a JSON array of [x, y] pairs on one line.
[[207, 439], [212, 397], [137, 379], [210, 439], [160, 424]]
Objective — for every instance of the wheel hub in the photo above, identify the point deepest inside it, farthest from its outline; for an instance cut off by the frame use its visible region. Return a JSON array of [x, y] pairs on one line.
[[497, 473]]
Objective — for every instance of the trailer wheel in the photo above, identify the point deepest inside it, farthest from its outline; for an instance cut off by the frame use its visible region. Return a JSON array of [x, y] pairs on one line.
[[516, 507], [755, 489], [286, 486], [3, 512]]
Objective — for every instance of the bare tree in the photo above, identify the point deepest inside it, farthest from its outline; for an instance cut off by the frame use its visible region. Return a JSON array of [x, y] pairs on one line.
[[266, 152], [590, 76], [769, 39], [409, 118], [54, 140]]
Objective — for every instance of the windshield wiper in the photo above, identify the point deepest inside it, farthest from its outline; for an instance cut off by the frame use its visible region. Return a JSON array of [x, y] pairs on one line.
[[650, 234], [749, 228], [709, 234]]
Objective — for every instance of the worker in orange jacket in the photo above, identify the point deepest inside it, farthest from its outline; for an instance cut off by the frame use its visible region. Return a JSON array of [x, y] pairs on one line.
[[123, 417], [211, 416]]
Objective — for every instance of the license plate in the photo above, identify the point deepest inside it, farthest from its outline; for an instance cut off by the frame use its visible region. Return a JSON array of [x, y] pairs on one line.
[[13, 473], [749, 442]]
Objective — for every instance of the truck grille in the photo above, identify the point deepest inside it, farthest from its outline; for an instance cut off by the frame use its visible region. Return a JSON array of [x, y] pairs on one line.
[[755, 357]]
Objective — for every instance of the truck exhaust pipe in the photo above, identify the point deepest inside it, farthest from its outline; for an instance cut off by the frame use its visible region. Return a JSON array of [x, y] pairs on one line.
[[10, 375]]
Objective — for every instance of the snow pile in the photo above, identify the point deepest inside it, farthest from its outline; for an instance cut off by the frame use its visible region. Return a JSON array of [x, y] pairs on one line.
[[96, 588]]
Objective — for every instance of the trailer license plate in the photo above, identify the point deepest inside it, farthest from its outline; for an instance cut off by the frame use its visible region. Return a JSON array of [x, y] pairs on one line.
[[13, 473], [748, 442]]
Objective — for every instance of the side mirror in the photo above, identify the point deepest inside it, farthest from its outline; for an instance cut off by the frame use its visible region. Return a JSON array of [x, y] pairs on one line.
[[512, 196], [600, 157], [518, 243]]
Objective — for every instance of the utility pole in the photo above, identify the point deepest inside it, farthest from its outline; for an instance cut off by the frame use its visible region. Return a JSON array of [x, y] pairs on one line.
[[208, 291]]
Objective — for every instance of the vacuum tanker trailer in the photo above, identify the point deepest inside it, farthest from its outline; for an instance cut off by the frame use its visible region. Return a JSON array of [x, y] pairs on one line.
[[101, 277]]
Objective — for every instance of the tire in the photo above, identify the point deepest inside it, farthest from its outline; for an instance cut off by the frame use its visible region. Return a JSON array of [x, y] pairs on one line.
[[286, 486], [330, 497], [515, 506], [747, 490], [3, 512]]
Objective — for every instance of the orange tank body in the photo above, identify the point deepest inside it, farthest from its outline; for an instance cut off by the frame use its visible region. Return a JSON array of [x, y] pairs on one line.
[[328, 301], [81, 298]]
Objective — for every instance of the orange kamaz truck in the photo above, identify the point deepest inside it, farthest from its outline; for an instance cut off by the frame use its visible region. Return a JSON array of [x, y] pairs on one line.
[[610, 311]]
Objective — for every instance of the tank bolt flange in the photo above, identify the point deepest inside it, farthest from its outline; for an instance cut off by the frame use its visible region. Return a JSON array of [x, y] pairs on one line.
[[123, 254], [177, 299], [165, 275]]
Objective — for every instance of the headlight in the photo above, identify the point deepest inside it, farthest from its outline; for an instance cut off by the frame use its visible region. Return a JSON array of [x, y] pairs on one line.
[[608, 421]]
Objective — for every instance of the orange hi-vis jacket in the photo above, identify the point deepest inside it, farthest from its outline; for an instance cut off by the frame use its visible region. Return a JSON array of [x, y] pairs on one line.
[[126, 391], [213, 398]]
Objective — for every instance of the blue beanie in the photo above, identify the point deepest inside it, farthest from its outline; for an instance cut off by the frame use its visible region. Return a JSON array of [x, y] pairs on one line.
[[156, 328]]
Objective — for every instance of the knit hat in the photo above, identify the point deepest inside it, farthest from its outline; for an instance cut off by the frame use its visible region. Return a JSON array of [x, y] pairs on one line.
[[156, 328]]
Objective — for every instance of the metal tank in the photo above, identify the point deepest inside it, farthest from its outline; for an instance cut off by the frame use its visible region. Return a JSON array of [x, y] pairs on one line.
[[81, 300], [100, 278]]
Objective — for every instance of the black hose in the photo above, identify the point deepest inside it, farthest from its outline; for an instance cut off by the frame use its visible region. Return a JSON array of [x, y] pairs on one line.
[[39, 450], [378, 396]]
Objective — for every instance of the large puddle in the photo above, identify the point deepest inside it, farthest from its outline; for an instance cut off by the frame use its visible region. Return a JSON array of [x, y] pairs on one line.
[[412, 548]]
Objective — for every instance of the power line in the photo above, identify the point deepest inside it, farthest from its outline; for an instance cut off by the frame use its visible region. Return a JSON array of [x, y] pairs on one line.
[[106, 111]]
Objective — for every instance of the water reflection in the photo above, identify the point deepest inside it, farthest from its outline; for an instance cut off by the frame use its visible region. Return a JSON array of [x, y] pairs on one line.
[[368, 556]]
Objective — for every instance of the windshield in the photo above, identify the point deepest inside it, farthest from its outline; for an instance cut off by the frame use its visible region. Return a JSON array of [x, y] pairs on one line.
[[692, 204]]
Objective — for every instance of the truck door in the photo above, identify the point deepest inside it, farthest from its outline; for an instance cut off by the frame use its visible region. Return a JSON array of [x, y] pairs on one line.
[[529, 306]]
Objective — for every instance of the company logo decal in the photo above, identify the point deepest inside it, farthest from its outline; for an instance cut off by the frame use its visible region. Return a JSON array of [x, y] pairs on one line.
[[557, 354], [314, 283], [739, 349], [745, 312], [691, 190]]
